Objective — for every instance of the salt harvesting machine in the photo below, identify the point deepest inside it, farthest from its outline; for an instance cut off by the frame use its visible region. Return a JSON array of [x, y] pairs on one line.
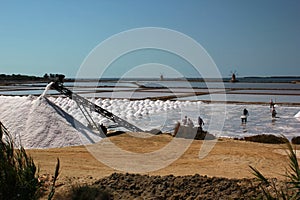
[[85, 105]]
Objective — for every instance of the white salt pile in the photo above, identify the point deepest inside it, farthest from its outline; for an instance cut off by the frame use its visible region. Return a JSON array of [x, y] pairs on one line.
[[48, 87], [297, 115], [136, 112], [38, 123]]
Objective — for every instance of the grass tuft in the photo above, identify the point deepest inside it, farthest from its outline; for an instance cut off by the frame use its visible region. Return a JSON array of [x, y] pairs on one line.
[[291, 187], [19, 177]]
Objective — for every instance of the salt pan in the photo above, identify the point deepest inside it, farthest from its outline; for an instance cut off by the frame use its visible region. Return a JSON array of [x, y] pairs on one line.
[[146, 114]]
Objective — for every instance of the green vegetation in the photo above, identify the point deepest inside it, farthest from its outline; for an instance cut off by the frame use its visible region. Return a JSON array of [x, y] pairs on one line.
[[290, 188], [18, 77], [19, 177], [52, 191]]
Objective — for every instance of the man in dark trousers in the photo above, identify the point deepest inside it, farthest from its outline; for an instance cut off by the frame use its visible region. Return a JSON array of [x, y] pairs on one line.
[[245, 115], [200, 122]]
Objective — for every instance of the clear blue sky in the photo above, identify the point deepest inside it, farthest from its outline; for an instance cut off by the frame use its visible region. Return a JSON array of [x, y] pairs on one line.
[[254, 37]]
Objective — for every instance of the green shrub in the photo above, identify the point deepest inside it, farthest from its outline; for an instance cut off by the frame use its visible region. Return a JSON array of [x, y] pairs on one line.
[[290, 188], [18, 174]]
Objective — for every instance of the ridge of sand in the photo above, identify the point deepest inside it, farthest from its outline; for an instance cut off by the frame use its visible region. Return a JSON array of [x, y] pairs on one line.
[[229, 158]]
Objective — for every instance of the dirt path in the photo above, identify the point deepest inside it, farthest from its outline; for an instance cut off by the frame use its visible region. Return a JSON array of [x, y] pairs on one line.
[[229, 158]]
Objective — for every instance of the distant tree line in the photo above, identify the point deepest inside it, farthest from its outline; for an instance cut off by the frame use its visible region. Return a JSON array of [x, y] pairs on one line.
[[16, 77], [51, 76], [5, 78]]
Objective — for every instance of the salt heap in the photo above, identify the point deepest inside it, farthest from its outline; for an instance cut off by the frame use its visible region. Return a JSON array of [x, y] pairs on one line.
[[39, 123], [297, 115]]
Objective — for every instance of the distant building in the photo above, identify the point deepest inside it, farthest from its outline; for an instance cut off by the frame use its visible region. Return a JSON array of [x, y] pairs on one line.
[[233, 78], [161, 77]]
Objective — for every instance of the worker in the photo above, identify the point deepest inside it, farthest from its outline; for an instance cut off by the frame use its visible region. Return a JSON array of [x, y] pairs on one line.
[[272, 104], [103, 128], [184, 121], [200, 123], [190, 123], [245, 115], [274, 113]]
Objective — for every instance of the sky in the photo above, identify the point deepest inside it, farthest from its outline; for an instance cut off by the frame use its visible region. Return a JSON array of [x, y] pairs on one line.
[[251, 37]]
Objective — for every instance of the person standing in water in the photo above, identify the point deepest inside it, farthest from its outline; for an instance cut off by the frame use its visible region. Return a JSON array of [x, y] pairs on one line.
[[200, 123], [190, 123], [272, 107], [272, 104], [274, 112], [184, 121], [245, 115]]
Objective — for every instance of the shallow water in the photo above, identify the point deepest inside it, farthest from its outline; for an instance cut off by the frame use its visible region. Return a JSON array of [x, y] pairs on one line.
[[246, 98], [259, 121], [164, 115], [241, 92]]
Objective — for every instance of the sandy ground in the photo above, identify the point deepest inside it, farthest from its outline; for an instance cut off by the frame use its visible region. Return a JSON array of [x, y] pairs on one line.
[[229, 158]]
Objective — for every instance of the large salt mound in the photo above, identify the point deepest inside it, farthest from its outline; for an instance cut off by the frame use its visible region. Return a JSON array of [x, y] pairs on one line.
[[297, 115], [39, 123]]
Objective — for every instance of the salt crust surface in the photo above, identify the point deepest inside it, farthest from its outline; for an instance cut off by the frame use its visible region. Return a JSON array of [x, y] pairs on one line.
[[40, 122]]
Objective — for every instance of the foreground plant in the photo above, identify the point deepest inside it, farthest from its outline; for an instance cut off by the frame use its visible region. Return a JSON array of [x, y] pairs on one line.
[[18, 174], [52, 191], [291, 187]]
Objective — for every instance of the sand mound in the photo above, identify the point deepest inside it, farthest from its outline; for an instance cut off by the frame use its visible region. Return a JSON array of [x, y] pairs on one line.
[[136, 186], [266, 138], [39, 123]]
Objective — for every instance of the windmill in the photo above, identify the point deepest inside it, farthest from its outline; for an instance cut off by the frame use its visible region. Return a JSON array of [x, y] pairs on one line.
[[161, 76], [233, 75]]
